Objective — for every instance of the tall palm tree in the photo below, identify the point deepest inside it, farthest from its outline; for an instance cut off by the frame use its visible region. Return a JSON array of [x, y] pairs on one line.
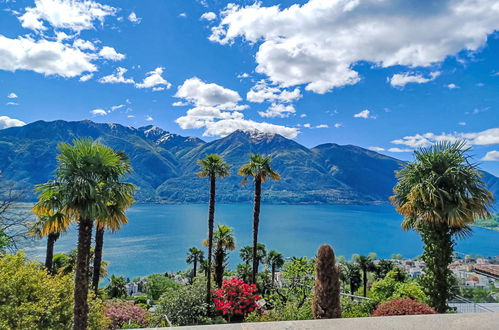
[[194, 256], [440, 195], [223, 241], [246, 253], [275, 261], [51, 225], [87, 178], [112, 220], [260, 170], [212, 166], [366, 265], [351, 274]]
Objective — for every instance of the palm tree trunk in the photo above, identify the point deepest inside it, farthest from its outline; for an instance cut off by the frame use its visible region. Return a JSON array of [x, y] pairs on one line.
[[195, 266], [256, 220], [99, 244], [81, 276], [49, 257], [273, 275], [211, 221], [364, 278], [219, 267]]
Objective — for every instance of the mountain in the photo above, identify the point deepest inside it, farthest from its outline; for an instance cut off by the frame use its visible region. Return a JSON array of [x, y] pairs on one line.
[[165, 164]]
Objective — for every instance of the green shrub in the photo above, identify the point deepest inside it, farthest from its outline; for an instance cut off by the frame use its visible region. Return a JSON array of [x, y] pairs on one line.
[[288, 312], [350, 308], [395, 286], [157, 284]]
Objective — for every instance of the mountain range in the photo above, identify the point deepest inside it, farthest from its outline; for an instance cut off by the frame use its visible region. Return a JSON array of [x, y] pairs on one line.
[[165, 164]]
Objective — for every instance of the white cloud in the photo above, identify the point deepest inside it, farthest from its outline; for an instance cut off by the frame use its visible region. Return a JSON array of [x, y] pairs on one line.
[[452, 86], [400, 80], [12, 96], [83, 44], [109, 53], [338, 125], [149, 118], [399, 150], [118, 77], [262, 91], [307, 125], [86, 77], [116, 107], [226, 126], [462, 123], [199, 93], [154, 80], [6, 122], [183, 15], [492, 156], [278, 110], [303, 115], [12, 103], [130, 116], [209, 16], [322, 126], [65, 14], [377, 149], [487, 137], [243, 75], [319, 42], [43, 56], [98, 112], [365, 114], [133, 18]]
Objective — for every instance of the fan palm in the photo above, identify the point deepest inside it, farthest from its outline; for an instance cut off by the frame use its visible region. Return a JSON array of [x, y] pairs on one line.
[[260, 170], [352, 274], [87, 178], [223, 241], [366, 265], [440, 195], [194, 256], [275, 260], [212, 167]]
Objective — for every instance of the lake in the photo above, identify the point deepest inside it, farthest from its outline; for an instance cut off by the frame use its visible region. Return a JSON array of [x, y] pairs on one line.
[[157, 237]]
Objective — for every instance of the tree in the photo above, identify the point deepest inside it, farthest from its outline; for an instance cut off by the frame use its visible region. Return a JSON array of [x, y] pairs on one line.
[[116, 287], [212, 167], [382, 268], [298, 275], [440, 194], [366, 265], [275, 261], [352, 274], [260, 170], [223, 241], [326, 300], [246, 254], [87, 178], [194, 257], [157, 284]]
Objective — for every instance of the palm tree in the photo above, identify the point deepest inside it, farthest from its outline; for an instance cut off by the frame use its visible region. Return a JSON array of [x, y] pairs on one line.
[[223, 241], [366, 265], [440, 195], [260, 170], [212, 166], [246, 253], [275, 260], [194, 256], [117, 287], [351, 274], [112, 220], [50, 225], [87, 178]]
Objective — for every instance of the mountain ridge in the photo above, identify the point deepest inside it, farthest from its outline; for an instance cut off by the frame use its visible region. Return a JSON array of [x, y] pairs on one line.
[[165, 164]]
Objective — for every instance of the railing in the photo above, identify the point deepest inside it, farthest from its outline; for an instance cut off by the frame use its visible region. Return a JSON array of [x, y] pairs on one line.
[[463, 305], [354, 297]]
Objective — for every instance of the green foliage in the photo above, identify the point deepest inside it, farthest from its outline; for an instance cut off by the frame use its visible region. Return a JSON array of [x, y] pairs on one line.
[[394, 286], [116, 287], [157, 284], [382, 268], [288, 312], [352, 308], [478, 295], [30, 298], [184, 305]]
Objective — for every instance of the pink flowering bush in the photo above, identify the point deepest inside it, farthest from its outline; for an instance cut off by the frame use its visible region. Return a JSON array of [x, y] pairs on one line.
[[236, 299], [124, 313]]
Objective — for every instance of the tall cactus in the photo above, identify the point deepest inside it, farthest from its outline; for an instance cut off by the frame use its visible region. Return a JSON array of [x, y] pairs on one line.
[[326, 301]]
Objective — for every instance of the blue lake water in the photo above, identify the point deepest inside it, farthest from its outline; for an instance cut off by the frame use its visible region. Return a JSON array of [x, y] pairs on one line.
[[157, 237]]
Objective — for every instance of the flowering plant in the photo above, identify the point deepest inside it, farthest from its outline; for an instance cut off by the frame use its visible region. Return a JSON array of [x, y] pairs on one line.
[[236, 299], [123, 313]]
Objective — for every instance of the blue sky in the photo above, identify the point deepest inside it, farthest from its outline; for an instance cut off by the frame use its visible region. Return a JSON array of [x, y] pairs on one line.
[[387, 75]]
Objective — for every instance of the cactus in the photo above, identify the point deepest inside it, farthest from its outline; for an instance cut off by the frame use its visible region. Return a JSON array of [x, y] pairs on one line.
[[326, 301]]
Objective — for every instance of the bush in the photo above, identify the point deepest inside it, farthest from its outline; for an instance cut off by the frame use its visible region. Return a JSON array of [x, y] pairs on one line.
[[126, 313], [287, 312], [394, 286], [236, 299], [350, 308], [183, 306], [404, 306], [157, 284], [30, 298]]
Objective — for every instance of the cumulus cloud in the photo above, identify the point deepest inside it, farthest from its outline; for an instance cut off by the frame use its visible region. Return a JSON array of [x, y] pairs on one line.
[[278, 110], [109, 53], [364, 114], [83, 44], [377, 149], [402, 79], [262, 92], [226, 126], [86, 77], [12, 96], [322, 126], [98, 112], [486, 137], [209, 16], [319, 42], [200, 93], [133, 18], [43, 56], [118, 77], [154, 80], [452, 86], [6, 122], [492, 156], [399, 150], [65, 14], [149, 118]]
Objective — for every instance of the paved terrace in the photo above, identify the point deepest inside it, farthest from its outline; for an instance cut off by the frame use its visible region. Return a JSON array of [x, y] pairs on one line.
[[478, 321]]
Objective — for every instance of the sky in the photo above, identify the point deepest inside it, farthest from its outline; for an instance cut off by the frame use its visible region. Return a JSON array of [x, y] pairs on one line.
[[389, 75]]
